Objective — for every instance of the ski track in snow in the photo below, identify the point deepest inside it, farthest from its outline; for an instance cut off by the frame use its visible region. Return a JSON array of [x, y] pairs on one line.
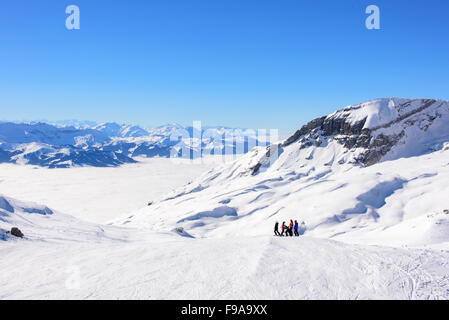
[[161, 266]]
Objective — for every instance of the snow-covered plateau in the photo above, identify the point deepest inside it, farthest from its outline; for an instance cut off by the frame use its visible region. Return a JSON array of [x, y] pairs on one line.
[[370, 183]]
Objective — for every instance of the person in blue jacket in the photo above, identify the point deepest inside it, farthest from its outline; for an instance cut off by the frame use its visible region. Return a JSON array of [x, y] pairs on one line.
[[296, 228]]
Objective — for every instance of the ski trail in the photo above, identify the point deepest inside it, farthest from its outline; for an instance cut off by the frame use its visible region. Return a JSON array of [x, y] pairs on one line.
[[165, 266]]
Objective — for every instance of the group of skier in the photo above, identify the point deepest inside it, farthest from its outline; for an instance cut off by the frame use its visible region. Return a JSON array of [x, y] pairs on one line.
[[287, 230]]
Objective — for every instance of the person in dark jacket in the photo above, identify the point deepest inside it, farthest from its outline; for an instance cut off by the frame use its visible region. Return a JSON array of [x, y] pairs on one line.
[[296, 228], [276, 229]]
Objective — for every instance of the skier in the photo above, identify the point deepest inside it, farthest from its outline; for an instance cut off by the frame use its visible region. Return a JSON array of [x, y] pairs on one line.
[[290, 228], [296, 227], [276, 229], [284, 228]]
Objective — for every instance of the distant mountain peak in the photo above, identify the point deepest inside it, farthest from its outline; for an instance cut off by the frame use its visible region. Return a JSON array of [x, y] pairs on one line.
[[106, 144]]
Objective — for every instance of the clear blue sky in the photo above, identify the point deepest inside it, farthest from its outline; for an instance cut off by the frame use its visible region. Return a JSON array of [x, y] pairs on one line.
[[246, 63]]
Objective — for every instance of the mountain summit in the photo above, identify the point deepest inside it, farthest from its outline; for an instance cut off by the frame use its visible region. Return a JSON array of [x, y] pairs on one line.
[[365, 134]]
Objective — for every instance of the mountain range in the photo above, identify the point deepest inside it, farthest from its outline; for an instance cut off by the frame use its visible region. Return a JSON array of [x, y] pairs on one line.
[[71, 143]]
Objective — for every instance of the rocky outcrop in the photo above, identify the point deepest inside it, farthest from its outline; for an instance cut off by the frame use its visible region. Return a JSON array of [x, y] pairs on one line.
[[351, 128], [16, 232], [304, 130], [379, 147]]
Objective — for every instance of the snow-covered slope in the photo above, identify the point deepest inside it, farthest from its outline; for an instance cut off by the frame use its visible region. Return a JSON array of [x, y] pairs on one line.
[[64, 258], [42, 224], [163, 266], [322, 179]]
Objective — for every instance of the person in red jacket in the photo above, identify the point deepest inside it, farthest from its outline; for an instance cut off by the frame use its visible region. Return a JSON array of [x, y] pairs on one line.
[[284, 229], [290, 228]]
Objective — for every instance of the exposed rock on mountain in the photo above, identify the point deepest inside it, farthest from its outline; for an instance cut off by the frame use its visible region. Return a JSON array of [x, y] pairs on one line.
[[367, 132]]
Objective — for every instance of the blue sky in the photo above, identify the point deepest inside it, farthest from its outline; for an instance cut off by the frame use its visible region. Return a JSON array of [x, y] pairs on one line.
[[242, 63]]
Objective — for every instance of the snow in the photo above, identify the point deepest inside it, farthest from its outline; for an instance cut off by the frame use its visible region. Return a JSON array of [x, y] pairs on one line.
[[166, 266], [376, 232], [235, 257], [379, 112], [379, 205]]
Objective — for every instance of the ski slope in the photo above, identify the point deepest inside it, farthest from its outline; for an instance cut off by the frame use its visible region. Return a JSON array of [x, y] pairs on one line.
[[165, 266]]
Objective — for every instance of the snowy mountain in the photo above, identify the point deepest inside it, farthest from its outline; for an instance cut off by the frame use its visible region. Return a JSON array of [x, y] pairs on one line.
[[112, 144], [47, 145], [78, 124], [113, 129], [369, 173], [365, 134]]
